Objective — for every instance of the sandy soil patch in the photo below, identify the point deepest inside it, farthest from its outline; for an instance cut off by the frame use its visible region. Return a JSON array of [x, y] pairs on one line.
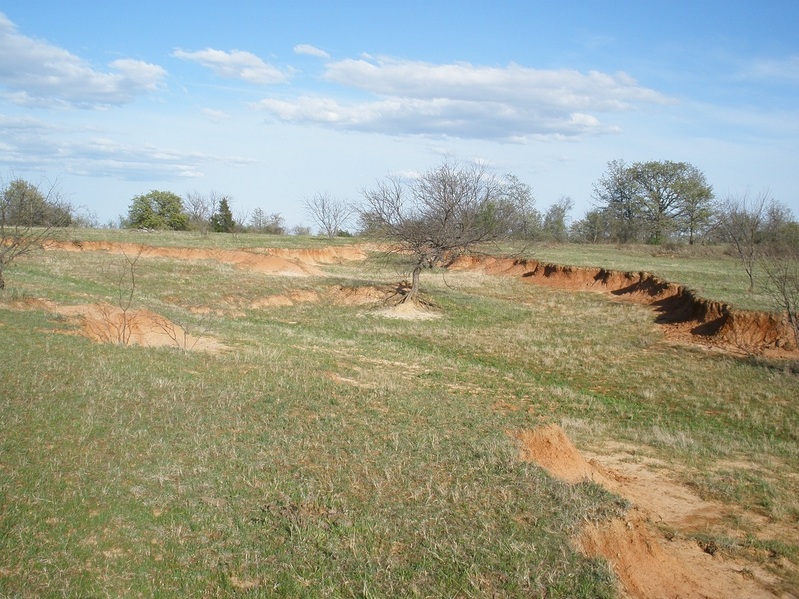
[[103, 323], [339, 295], [648, 562], [408, 311]]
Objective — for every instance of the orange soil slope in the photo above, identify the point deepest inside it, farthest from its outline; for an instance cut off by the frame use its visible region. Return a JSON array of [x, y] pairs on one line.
[[287, 262], [687, 316], [648, 563]]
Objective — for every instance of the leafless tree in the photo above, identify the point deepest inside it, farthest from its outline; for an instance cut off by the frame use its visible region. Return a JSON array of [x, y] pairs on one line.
[[329, 213], [745, 223], [126, 289], [28, 217], [271, 224], [200, 209], [779, 261], [433, 218], [781, 268]]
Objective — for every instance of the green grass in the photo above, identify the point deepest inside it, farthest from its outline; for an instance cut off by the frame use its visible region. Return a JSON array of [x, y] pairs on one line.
[[334, 452]]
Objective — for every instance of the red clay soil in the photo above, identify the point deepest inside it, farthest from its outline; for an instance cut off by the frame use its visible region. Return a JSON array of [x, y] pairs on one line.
[[686, 316], [647, 563], [287, 262]]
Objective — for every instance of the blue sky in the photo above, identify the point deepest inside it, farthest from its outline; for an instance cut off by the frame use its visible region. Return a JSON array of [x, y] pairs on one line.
[[273, 102]]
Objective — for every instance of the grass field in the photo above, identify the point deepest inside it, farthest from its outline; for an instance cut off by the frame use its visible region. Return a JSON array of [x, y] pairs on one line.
[[331, 451]]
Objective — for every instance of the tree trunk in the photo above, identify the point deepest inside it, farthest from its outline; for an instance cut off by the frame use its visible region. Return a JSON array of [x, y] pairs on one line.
[[414, 292], [2, 280]]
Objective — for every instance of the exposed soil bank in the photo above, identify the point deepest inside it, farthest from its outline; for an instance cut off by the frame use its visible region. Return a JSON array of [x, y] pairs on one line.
[[104, 323], [688, 317], [648, 563], [287, 262]]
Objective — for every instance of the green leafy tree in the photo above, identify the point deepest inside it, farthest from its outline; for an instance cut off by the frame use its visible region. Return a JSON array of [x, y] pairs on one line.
[[666, 193], [555, 218], [28, 217], [157, 210], [25, 205], [222, 220], [615, 197], [592, 228], [649, 201], [513, 208]]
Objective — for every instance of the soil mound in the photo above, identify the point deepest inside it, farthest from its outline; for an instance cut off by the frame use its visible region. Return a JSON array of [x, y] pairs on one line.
[[550, 448], [647, 565], [686, 316], [105, 323]]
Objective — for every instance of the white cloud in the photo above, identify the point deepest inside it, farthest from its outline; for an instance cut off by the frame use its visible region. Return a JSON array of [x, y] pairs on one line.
[[786, 69], [236, 64], [562, 88], [309, 50], [512, 103], [32, 144], [35, 73], [216, 116]]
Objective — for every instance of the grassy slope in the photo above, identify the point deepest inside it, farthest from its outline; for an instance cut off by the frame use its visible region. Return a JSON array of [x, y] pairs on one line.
[[337, 453]]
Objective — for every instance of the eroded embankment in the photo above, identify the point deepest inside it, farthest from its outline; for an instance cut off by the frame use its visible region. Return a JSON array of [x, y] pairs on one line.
[[687, 316], [286, 262], [650, 548]]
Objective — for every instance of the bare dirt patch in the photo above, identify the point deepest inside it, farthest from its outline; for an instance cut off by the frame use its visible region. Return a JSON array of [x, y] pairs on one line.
[[338, 295], [104, 323], [685, 316], [408, 311], [648, 561]]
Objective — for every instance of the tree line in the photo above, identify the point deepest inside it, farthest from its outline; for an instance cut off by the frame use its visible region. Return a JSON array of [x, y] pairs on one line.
[[454, 208], [197, 212]]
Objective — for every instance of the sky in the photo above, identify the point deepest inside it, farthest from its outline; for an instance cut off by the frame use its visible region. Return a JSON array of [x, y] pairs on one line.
[[271, 103]]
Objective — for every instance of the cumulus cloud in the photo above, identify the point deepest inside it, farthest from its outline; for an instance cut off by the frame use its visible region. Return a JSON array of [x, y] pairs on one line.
[[463, 100], [236, 64], [35, 73], [309, 50], [29, 143]]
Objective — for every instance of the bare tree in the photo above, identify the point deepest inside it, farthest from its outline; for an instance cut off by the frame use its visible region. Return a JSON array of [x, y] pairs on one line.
[[329, 213], [28, 217], [745, 223], [271, 224], [126, 289], [780, 263], [200, 209], [445, 212]]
